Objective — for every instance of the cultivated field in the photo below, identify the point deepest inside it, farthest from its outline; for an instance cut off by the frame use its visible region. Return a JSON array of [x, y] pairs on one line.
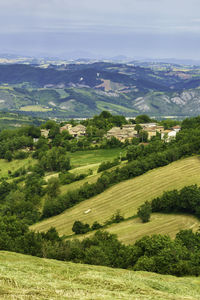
[[34, 108], [128, 196], [28, 277], [131, 230]]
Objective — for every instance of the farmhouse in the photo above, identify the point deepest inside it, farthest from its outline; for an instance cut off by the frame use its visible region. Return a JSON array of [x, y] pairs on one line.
[[176, 128], [168, 135], [65, 127], [122, 134], [76, 131], [45, 133], [152, 131]]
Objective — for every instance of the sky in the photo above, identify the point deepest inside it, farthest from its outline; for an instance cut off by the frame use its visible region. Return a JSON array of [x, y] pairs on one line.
[[101, 28]]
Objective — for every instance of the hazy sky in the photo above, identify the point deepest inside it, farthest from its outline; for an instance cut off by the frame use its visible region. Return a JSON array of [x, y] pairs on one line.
[[136, 28]]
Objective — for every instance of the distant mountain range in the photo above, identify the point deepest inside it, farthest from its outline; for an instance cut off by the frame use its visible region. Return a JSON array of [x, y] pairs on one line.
[[84, 88]]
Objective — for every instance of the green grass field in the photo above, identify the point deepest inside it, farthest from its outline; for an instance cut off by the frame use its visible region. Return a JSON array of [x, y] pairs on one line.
[[84, 158], [34, 108], [14, 165], [28, 277], [127, 196]]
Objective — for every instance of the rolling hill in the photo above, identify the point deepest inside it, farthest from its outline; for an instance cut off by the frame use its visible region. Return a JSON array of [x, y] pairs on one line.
[[85, 89], [28, 277], [127, 196]]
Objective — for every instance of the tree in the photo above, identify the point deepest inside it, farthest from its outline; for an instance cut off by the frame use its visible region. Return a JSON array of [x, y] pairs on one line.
[[8, 155], [144, 212], [143, 136], [53, 187], [96, 225], [138, 128], [142, 119], [79, 227]]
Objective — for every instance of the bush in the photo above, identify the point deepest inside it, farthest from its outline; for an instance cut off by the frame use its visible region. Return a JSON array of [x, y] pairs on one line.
[[96, 226], [144, 212], [80, 228]]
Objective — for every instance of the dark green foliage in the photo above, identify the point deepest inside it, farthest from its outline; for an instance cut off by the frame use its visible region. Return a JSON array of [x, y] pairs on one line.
[[53, 187], [8, 155], [107, 165], [67, 177], [55, 159], [96, 225], [143, 136], [117, 217], [144, 212], [143, 119], [80, 228], [21, 155], [186, 200]]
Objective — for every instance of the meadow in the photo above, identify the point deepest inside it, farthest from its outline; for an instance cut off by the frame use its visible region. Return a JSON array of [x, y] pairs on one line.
[[28, 277], [127, 196], [12, 166], [85, 158]]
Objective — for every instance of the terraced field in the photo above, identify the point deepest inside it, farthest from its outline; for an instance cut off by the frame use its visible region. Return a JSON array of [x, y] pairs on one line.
[[28, 277], [128, 196]]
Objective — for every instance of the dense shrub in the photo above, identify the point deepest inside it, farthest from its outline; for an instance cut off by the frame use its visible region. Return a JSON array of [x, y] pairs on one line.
[[186, 200]]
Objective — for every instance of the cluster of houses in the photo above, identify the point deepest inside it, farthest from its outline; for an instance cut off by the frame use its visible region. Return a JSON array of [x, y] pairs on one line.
[[76, 131], [126, 132]]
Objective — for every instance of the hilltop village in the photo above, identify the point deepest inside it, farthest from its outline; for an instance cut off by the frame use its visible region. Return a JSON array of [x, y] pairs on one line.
[[123, 133]]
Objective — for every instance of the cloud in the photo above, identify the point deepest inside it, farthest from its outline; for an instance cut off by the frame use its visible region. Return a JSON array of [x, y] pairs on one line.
[[25, 20]]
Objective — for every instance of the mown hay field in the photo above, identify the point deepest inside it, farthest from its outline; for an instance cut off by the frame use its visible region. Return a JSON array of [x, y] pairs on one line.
[[131, 230], [28, 277], [127, 196]]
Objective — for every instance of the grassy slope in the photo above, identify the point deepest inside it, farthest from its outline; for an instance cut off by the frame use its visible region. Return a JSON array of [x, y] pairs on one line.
[[131, 230], [14, 165], [83, 158], [83, 161], [27, 277], [128, 196]]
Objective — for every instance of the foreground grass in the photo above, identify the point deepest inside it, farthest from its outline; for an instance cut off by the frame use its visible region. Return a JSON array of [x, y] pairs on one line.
[[128, 196], [27, 277]]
